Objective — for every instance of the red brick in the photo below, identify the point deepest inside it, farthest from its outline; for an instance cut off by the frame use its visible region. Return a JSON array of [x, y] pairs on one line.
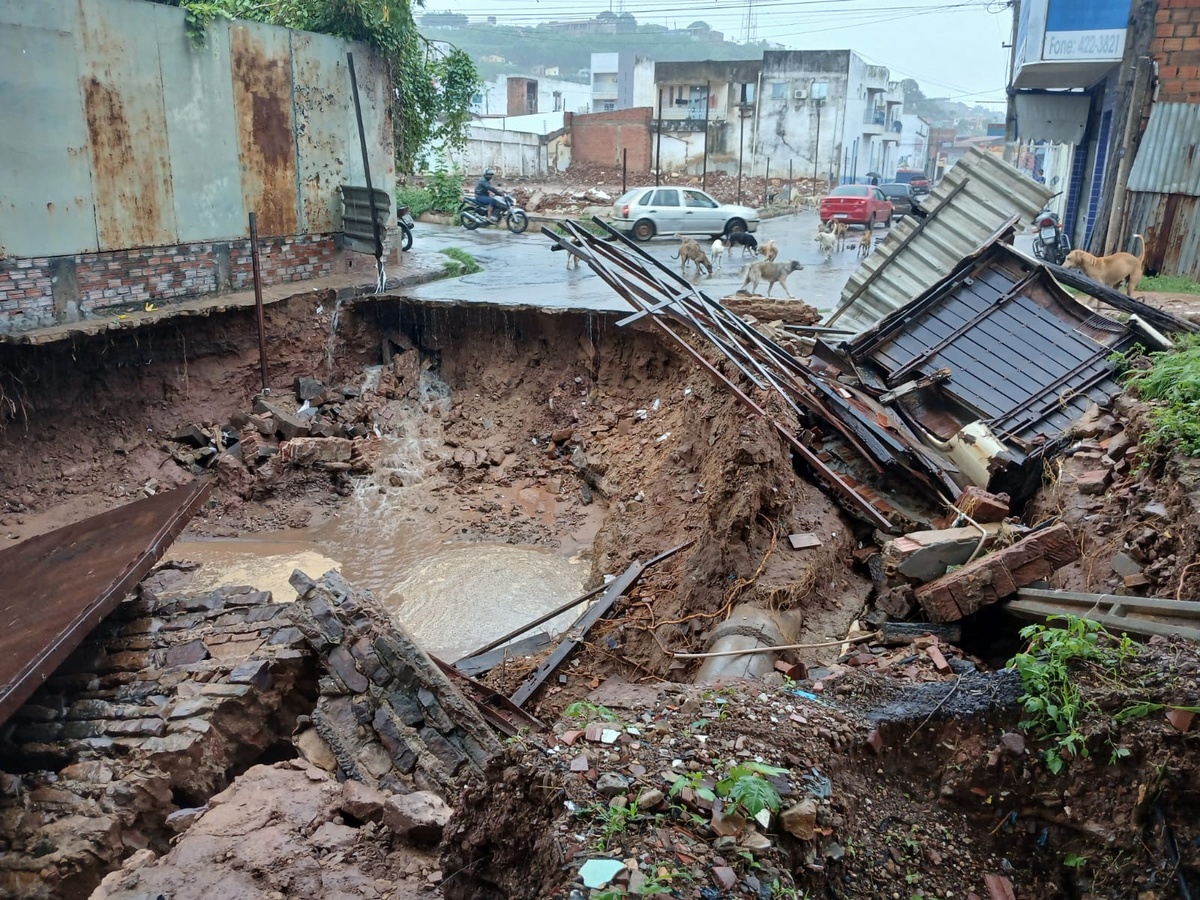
[[982, 506], [1166, 45], [939, 661]]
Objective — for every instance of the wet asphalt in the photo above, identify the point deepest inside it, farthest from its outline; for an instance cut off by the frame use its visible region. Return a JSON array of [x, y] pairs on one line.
[[521, 270]]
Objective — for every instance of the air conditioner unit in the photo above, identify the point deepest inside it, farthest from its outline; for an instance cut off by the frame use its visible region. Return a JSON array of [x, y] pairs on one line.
[[800, 94]]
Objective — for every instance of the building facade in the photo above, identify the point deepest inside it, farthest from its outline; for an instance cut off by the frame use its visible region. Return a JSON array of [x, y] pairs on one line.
[[708, 114], [623, 80], [525, 95]]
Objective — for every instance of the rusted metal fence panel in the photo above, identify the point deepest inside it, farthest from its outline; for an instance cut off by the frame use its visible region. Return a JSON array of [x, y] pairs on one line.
[[262, 95], [1168, 222], [126, 124], [117, 132], [1167, 161], [201, 131], [46, 197]]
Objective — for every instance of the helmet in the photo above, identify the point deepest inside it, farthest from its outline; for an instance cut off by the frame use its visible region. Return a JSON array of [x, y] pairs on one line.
[[489, 172]]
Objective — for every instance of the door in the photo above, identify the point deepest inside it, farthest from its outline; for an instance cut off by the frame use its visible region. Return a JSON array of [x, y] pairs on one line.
[[665, 211], [701, 213]]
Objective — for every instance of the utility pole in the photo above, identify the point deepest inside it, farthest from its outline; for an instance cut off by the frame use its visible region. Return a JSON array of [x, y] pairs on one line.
[[658, 151], [741, 146], [1010, 119], [704, 163], [818, 103]]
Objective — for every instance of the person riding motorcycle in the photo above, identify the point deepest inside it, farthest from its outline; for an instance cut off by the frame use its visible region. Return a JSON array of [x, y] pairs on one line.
[[486, 192]]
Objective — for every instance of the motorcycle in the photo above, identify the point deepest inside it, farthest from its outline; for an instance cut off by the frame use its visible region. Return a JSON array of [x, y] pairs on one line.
[[1050, 240], [473, 213], [405, 220]]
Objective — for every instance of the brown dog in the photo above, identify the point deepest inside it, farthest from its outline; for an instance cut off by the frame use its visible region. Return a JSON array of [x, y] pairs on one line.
[[864, 245], [771, 273], [1111, 271], [769, 251], [691, 251]]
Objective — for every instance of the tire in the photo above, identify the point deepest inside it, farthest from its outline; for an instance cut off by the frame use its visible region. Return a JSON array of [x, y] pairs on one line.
[[643, 230], [735, 226], [405, 238], [871, 223], [888, 222], [467, 221], [518, 222]]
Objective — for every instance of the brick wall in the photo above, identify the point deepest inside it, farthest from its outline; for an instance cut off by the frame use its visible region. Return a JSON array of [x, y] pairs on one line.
[[1176, 49], [41, 291], [598, 138]]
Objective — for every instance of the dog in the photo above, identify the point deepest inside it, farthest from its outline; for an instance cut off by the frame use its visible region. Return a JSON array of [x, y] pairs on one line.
[[718, 251], [769, 251], [1111, 271], [690, 251], [743, 239], [839, 231], [827, 240], [864, 244], [772, 273]]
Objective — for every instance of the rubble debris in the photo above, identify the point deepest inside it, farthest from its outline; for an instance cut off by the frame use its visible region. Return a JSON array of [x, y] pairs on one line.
[[804, 541], [992, 578], [1143, 616], [391, 717], [983, 507], [58, 585], [142, 723], [926, 555]]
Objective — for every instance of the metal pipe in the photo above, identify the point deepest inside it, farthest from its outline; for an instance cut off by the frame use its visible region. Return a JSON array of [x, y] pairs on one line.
[[624, 170], [704, 162], [362, 140], [767, 184], [739, 641], [658, 150], [741, 147], [256, 268]]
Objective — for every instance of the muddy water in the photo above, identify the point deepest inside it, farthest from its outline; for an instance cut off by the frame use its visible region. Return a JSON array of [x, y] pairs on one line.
[[451, 595]]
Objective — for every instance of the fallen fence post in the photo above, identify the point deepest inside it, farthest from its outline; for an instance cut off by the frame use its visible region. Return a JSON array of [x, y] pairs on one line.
[[256, 268]]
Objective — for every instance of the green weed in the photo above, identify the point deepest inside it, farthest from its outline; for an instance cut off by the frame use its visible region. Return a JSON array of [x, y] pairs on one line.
[[1053, 702], [418, 200], [445, 188], [1170, 284], [1173, 382], [744, 785], [613, 820], [461, 262], [582, 709]]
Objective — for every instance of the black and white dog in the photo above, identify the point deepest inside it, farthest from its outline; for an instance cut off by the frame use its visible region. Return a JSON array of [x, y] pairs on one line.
[[743, 239]]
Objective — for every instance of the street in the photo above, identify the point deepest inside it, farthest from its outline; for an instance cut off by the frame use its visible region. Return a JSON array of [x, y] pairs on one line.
[[522, 270]]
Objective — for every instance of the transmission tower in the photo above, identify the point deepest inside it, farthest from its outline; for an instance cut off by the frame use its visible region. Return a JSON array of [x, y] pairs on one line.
[[750, 23]]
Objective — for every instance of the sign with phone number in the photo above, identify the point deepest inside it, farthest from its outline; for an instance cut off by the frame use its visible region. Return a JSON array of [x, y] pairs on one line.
[[1069, 45]]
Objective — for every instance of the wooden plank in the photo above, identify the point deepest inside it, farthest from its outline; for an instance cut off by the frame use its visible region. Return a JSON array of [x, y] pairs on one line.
[[1036, 610], [482, 663], [577, 633], [1179, 609]]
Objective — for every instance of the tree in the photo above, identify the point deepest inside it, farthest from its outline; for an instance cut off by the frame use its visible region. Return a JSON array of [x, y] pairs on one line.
[[608, 17], [699, 26], [434, 84], [912, 92], [626, 23], [444, 20]]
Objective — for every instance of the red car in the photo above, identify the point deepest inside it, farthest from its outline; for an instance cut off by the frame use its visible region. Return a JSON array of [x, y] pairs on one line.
[[857, 204]]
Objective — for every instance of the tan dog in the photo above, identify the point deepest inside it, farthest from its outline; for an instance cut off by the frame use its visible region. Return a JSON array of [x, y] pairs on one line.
[[771, 273], [1111, 271], [864, 245], [691, 251], [839, 231], [769, 250]]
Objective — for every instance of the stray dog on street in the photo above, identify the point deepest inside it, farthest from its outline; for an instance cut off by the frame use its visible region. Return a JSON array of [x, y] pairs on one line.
[[864, 244], [690, 251], [827, 240], [743, 239], [771, 273], [769, 250], [718, 251], [1111, 271]]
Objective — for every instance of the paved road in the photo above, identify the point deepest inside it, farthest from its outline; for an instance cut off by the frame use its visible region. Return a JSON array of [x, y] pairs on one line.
[[521, 269]]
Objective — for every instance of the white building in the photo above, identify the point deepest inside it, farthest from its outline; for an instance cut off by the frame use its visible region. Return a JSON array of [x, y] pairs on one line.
[[913, 151], [521, 95], [621, 80]]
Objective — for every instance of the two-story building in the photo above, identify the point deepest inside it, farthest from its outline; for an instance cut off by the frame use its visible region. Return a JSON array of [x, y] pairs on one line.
[[708, 113], [526, 95], [621, 80]]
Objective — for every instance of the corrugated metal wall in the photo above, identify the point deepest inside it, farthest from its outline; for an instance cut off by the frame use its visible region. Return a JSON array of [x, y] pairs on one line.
[[117, 132], [1170, 223]]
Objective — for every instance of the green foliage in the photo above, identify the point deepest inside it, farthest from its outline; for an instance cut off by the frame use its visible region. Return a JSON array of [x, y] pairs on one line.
[[1170, 284], [418, 200], [434, 86], [445, 187], [754, 794], [613, 820], [1173, 381], [744, 785], [1072, 861], [1054, 704], [461, 262], [583, 709]]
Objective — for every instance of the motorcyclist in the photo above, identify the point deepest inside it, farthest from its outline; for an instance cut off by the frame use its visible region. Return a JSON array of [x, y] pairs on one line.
[[486, 192]]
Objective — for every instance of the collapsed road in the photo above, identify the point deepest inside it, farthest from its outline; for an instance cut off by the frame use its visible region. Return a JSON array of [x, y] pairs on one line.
[[786, 672]]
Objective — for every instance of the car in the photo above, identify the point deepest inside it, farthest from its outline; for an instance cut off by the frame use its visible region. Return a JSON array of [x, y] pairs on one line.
[[903, 198], [857, 204], [648, 211], [915, 177]]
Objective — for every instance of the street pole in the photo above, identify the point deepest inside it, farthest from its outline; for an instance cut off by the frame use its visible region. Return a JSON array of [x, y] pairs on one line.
[[256, 269], [1010, 122], [817, 146], [789, 181], [704, 163], [741, 147], [658, 151]]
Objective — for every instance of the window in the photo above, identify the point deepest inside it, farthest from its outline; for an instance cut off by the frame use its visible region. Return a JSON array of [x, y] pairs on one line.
[[779, 90], [610, 105], [698, 200], [668, 197]]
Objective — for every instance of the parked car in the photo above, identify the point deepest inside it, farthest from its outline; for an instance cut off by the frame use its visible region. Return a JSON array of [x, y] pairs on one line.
[[915, 177], [903, 198], [857, 204], [647, 211]]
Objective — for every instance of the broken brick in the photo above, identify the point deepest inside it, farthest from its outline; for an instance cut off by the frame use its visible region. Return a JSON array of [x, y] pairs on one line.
[[983, 506], [1094, 482], [998, 887], [1180, 719], [938, 660]]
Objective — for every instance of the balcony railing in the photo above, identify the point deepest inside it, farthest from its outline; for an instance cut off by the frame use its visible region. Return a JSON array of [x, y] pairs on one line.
[[691, 111], [875, 117]]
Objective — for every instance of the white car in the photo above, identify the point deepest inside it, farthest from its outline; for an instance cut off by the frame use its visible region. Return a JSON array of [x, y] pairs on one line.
[[647, 211]]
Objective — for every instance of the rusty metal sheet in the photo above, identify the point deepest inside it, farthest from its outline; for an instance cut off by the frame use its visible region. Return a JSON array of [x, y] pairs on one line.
[[48, 209], [60, 585], [197, 93], [1168, 223], [325, 123], [126, 124], [1168, 157], [260, 57]]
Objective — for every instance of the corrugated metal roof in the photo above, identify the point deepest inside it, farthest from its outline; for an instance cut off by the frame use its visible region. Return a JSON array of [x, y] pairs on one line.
[[1166, 160], [957, 226]]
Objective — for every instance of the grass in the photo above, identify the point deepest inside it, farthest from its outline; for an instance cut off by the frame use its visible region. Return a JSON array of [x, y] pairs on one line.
[[1170, 284], [1173, 382], [418, 200], [461, 262]]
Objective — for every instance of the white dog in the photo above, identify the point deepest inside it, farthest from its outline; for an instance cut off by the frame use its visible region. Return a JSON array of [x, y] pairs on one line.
[[827, 240], [718, 251]]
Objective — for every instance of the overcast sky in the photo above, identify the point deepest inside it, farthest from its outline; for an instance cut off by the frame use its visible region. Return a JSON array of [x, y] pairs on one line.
[[952, 47]]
